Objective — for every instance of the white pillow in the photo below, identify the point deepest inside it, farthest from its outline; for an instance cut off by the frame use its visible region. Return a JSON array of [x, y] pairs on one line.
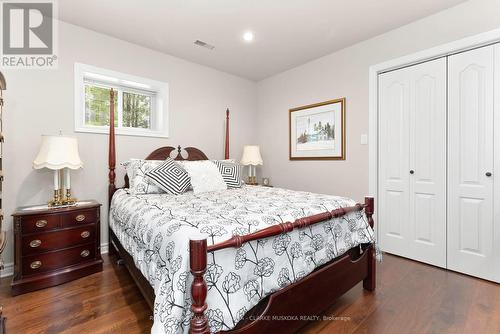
[[136, 171], [205, 176], [231, 172]]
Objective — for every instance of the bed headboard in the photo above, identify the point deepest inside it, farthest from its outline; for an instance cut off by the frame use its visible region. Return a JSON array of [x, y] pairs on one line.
[[164, 152], [159, 154]]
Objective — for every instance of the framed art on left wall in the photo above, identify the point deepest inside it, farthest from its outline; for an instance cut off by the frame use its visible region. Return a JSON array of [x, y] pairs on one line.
[[317, 131]]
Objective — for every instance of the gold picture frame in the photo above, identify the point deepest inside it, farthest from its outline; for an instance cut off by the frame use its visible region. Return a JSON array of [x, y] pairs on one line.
[[314, 131]]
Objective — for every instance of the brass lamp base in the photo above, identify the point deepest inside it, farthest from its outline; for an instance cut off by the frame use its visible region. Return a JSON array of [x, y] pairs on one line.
[[252, 180], [60, 200]]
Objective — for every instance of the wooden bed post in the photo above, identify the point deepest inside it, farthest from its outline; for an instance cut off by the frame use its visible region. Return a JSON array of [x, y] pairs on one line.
[[226, 150], [370, 281], [111, 150], [111, 165], [198, 266]]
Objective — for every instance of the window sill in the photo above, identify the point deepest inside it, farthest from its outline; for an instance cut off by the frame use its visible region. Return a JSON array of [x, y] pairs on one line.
[[124, 132]]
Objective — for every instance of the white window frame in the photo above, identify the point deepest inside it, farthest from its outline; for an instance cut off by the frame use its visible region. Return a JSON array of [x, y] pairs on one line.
[[125, 83]]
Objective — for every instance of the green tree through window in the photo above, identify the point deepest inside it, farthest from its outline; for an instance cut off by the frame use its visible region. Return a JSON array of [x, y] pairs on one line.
[[97, 106], [135, 109]]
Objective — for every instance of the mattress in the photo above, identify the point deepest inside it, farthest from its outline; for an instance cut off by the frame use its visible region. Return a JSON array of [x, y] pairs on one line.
[[155, 230]]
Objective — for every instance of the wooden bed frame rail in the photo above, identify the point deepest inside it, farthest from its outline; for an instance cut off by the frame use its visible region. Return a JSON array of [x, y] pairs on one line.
[[344, 272], [198, 251]]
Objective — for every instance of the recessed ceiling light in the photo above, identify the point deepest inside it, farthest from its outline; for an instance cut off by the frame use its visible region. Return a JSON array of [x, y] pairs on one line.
[[248, 36]]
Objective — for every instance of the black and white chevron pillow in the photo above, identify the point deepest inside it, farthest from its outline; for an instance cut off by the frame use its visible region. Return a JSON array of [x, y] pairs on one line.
[[231, 173], [170, 177]]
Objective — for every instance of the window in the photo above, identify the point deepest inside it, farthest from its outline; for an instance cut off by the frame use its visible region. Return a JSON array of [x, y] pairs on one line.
[[140, 104]]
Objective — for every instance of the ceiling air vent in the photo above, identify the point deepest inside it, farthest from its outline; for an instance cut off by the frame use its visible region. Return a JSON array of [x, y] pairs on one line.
[[203, 44]]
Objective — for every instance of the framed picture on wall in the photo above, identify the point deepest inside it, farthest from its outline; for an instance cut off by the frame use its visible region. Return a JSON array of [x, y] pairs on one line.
[[317, 131]]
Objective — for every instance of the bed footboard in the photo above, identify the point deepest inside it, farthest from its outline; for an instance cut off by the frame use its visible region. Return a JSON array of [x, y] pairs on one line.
[[198, 266], [370, 281], [362, 268]]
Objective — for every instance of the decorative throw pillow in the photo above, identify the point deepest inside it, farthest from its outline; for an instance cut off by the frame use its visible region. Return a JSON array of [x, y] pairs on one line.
[[205, 176], [170, 177], [231, 172], [136, 171]]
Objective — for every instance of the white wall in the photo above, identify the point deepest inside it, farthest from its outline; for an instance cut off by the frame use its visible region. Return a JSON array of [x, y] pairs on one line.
[[345, 74], [41, 102]]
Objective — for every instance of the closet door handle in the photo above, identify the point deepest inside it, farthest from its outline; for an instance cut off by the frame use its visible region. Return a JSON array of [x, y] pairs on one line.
[[412, 171], [488, 174]]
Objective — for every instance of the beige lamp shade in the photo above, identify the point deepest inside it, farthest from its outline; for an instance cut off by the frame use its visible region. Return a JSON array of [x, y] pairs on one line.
[[58, 152], [251, 155]]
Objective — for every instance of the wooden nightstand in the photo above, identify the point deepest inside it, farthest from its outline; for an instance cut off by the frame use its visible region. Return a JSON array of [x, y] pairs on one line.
[[54, 246]]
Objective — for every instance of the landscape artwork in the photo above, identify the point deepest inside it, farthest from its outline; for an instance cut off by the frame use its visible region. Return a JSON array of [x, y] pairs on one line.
[[317, 131]]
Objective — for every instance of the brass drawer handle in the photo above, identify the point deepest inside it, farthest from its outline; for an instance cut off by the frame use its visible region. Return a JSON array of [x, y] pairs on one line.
[[85, 253], [35, 243], [85, 234], [36, 264], [41, 223], [80, 218]]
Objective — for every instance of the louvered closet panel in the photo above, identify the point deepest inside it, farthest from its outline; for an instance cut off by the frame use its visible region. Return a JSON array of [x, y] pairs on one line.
[[412, 162], [473, 235]]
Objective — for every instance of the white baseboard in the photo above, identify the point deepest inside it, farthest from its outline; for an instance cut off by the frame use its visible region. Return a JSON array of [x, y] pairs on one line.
[[8, 269]]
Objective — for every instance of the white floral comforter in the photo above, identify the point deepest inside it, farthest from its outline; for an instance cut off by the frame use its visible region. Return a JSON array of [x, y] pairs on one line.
[[155, 230]]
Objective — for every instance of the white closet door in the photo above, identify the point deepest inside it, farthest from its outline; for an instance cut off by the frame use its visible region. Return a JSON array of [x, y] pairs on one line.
[[496, 145], [394, 192], [428, 163], [471, 229], [412, 162]]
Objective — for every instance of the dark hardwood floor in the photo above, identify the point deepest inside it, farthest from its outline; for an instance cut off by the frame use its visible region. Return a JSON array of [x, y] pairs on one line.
[[411, 298]]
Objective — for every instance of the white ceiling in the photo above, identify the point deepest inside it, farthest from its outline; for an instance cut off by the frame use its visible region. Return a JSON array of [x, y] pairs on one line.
[[287, 32]]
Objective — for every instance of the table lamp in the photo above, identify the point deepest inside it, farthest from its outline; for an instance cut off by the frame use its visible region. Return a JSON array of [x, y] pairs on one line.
[[59, 153], [251, 158]]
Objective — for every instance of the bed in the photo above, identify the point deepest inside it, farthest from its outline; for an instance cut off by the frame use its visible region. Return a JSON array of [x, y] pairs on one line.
[[239, 260]]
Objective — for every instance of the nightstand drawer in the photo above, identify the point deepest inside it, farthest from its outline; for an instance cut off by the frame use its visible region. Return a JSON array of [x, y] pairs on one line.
[[79, 217], [55, 245], [34, 264], [40, 223], [42, 242]]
